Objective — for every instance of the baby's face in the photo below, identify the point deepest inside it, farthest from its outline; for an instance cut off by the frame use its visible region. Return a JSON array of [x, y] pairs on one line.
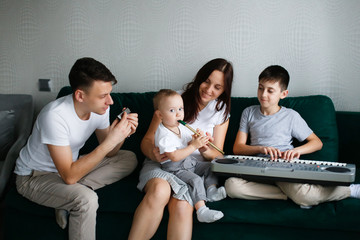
[[172, 110]]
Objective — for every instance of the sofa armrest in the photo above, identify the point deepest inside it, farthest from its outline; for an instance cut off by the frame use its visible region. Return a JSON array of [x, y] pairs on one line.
[[23, 107], [349, 136]]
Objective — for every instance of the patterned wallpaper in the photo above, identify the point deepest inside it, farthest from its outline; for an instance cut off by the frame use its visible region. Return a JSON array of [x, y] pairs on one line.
[[153, 44]]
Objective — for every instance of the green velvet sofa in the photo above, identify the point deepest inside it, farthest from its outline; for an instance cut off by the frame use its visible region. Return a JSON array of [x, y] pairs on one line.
[[244, 219]]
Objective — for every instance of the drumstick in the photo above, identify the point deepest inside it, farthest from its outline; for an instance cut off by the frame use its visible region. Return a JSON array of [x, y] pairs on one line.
[[210, 143]]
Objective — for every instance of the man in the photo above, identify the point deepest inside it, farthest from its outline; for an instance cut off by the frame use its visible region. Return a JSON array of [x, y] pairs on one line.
[[49, 169]]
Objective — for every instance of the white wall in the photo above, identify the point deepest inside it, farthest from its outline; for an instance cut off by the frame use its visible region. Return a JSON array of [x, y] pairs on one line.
[[153, 44]]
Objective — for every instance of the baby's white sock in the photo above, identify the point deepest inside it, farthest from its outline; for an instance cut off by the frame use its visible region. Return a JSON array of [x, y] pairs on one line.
[[204, 214], [355, 190], [215, 194], [61, 217]]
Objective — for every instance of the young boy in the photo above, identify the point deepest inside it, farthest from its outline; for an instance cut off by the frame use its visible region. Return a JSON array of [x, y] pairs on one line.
[[178, 144], [271, 128]]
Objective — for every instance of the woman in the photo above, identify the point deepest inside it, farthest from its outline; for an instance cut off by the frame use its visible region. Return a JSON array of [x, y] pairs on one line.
[[207, 107]]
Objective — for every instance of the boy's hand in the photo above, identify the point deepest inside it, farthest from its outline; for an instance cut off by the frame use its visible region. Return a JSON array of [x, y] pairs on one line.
[[290, 154], [273, 152]]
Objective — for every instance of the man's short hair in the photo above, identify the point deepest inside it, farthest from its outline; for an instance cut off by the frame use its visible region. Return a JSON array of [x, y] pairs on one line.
[[87, 70]]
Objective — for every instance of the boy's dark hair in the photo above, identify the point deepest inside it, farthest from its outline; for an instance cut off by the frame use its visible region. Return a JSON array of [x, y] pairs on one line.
[[276, 73], [159, 96], [87, 70]]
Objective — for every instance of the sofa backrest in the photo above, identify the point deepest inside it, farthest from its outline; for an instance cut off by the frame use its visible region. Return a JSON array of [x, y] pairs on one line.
[[16, 120], [349, 131], [318, 111]]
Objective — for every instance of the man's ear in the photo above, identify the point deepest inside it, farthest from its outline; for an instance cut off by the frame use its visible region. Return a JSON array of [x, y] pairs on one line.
[[284, 94], [79, 95]]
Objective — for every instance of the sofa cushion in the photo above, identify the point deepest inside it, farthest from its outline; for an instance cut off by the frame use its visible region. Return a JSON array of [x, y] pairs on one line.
[[338, 215], [7, 132], [122, 197]]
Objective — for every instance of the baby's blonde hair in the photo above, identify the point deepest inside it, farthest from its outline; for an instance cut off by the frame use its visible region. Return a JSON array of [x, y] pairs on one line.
[[159, 96]]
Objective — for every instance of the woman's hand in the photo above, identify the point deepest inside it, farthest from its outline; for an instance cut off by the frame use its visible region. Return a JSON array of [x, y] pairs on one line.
[[159, 157]]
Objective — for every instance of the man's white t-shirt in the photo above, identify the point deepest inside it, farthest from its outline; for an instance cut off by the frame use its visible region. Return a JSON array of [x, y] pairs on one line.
[[57, 124]]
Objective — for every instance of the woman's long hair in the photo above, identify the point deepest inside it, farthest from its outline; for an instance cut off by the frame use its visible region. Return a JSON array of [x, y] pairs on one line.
[[191, 94]]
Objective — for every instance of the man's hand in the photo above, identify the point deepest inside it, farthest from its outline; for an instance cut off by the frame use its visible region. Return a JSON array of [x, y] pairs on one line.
[[119, 130], [134, 122]]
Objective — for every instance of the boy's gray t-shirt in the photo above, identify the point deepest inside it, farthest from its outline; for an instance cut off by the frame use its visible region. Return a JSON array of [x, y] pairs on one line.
[[277, 130]]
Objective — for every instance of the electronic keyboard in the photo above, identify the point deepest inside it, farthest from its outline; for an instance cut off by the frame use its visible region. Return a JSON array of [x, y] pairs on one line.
[[297, 170]]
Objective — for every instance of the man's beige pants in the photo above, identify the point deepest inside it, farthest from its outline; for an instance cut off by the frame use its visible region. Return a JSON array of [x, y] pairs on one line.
[[80, 200]]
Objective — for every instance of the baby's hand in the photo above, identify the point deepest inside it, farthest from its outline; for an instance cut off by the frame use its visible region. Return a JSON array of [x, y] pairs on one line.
[[199, 141], [290, 154], [273, 152], [206, 147]]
